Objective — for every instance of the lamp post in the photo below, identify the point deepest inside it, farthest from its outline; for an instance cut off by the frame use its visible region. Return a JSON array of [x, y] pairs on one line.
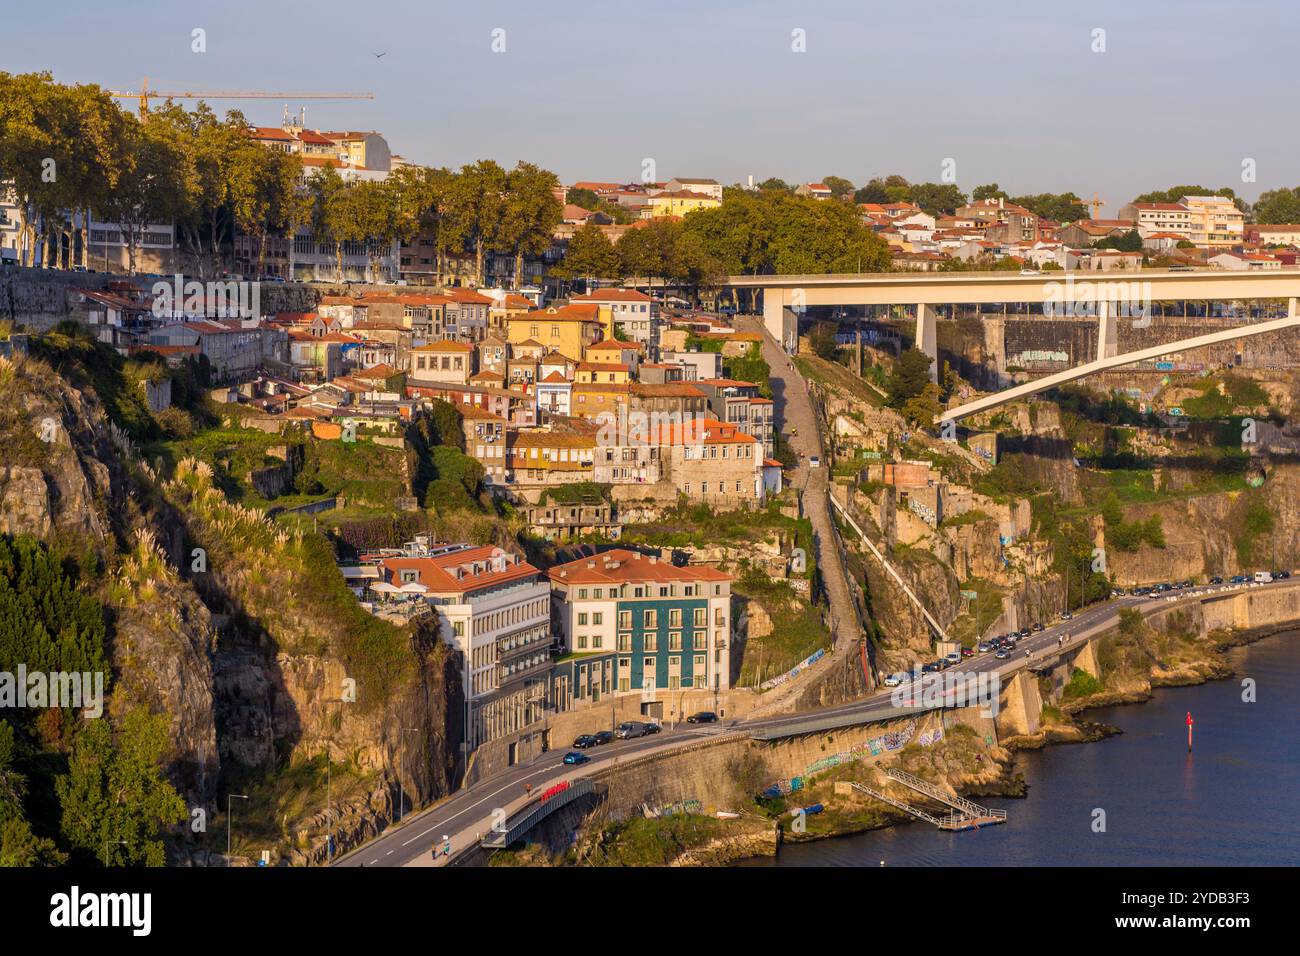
[[229, 812]]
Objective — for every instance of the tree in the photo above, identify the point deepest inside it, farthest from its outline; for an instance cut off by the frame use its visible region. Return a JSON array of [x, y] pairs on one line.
[[821, 339], [529, 215], [475, 206], [1059, 207], [1278, 206], [988, 191], [908, 378], [590, 255], [779, 185], [892, 188], [265, 195], [115, 799], [1130, 241], [19, 846], [937, 198]]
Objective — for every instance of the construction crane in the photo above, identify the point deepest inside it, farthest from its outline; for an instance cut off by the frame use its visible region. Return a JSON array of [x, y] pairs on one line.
[[1097, 202], [144, 95]]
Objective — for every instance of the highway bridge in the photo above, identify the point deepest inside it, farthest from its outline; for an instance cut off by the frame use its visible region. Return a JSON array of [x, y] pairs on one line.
[[1107, 297]]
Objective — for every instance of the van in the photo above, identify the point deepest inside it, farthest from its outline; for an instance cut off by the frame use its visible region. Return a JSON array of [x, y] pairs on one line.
[[629, 729], [1263, 577]]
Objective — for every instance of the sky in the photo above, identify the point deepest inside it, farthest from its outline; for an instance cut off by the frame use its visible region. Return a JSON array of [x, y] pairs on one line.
[[1025, 94]]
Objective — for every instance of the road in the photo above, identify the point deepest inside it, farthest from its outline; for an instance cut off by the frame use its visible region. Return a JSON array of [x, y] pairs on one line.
[[468, 813], [794, 413]]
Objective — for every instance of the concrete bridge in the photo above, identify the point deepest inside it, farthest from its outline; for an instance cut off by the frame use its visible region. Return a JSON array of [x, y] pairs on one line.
[[1107, 297]]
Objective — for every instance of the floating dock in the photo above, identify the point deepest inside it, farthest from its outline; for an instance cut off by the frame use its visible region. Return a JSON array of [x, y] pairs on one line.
[[965, 815]]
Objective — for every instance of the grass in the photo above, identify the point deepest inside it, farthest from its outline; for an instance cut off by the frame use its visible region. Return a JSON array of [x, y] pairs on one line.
[[834, 375]]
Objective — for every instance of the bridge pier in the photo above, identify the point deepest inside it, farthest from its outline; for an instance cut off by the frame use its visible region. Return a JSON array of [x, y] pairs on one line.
[[1107, 333], [927, 337], [779, 320]]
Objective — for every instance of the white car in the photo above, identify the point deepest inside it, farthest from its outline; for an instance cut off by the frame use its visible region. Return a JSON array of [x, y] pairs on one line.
[[814, 462], [1030, 272], [893, 680]]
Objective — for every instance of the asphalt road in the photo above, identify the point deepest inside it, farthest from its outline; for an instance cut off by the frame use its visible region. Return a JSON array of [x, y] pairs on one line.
[[469, 813]]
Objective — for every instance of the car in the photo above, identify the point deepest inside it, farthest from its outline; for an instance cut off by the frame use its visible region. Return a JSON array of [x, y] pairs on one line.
[[1281, 575], [1038, 626], [630, 729], [1067, 616], [603, 737], [1263, 577], [576, 758], [984, 647], [652, 728], [1216, 580], [952, 658], [893, 680], [929, 668], [583, 741], [1030, 272], [702, 717], [943, 663], [967, 652], [1002, 654], [814, 462]]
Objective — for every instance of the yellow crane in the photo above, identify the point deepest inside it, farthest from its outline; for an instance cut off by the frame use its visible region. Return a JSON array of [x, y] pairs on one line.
[[1097, 202], [144, 95]]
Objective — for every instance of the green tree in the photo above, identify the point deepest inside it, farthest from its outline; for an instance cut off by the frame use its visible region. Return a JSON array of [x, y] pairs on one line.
[[937, 198], [19, 846], [475, 205], [529, 214], [115, 800], [988, 191], [821, 339], [909, 377], [590, 255], [1059, 207], [1278, 206]]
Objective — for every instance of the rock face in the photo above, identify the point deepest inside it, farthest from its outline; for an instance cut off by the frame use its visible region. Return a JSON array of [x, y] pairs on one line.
[[24, 502], [239, 702]]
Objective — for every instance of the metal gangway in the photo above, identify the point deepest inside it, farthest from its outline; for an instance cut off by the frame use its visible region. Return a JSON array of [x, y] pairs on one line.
[[968, 810], [905, 807]]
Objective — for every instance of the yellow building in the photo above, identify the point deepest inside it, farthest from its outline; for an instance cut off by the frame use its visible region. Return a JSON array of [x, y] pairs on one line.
[[602, 373], [1216, 222], [567, 330], [592, 401], [677, 203]]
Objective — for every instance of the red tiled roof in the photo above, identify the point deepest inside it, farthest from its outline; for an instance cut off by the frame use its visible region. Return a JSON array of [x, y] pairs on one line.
[[620, 565]]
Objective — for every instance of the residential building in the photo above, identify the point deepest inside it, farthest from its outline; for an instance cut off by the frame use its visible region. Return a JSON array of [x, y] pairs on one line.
[[448, 361], [494, 608], [669, 626], [1216, 221], [633, 314]]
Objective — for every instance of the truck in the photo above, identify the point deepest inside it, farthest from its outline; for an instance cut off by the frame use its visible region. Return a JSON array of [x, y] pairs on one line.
[[1263, 577]]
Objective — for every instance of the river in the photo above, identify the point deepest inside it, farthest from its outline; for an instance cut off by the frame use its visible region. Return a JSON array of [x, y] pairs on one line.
[[1234, 801]]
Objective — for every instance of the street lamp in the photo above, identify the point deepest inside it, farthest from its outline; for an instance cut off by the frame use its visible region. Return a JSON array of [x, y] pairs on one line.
[[229, 811]]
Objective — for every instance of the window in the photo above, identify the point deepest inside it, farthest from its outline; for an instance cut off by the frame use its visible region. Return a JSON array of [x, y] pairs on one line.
[[675, 617], [674, 640], [582, 619], [650, 618], [582, 641], [700, 640], [624, 619], [597, 618], [701, 617], [651, 640], [625, 642]]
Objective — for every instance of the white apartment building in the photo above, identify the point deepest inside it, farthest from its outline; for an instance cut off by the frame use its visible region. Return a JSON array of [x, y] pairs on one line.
[[495, 609], [1216, 221], [1154, 217]]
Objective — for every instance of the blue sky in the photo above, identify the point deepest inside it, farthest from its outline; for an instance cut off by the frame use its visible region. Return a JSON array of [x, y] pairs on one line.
[[1011, 91]]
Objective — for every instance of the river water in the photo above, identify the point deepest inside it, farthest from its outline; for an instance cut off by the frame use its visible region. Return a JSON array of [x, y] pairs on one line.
[[1234, 801]]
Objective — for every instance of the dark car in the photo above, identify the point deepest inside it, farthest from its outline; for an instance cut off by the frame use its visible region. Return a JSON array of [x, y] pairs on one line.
[[604, 737], [929, 668], [576, 757], [1038, 627], [1281, 575], [584, 741], [1216, 580], [702, 717], [652, 728], [1002, 654]]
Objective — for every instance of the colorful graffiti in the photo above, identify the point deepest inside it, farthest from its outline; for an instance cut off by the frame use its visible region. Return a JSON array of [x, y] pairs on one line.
[[804, 664]]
